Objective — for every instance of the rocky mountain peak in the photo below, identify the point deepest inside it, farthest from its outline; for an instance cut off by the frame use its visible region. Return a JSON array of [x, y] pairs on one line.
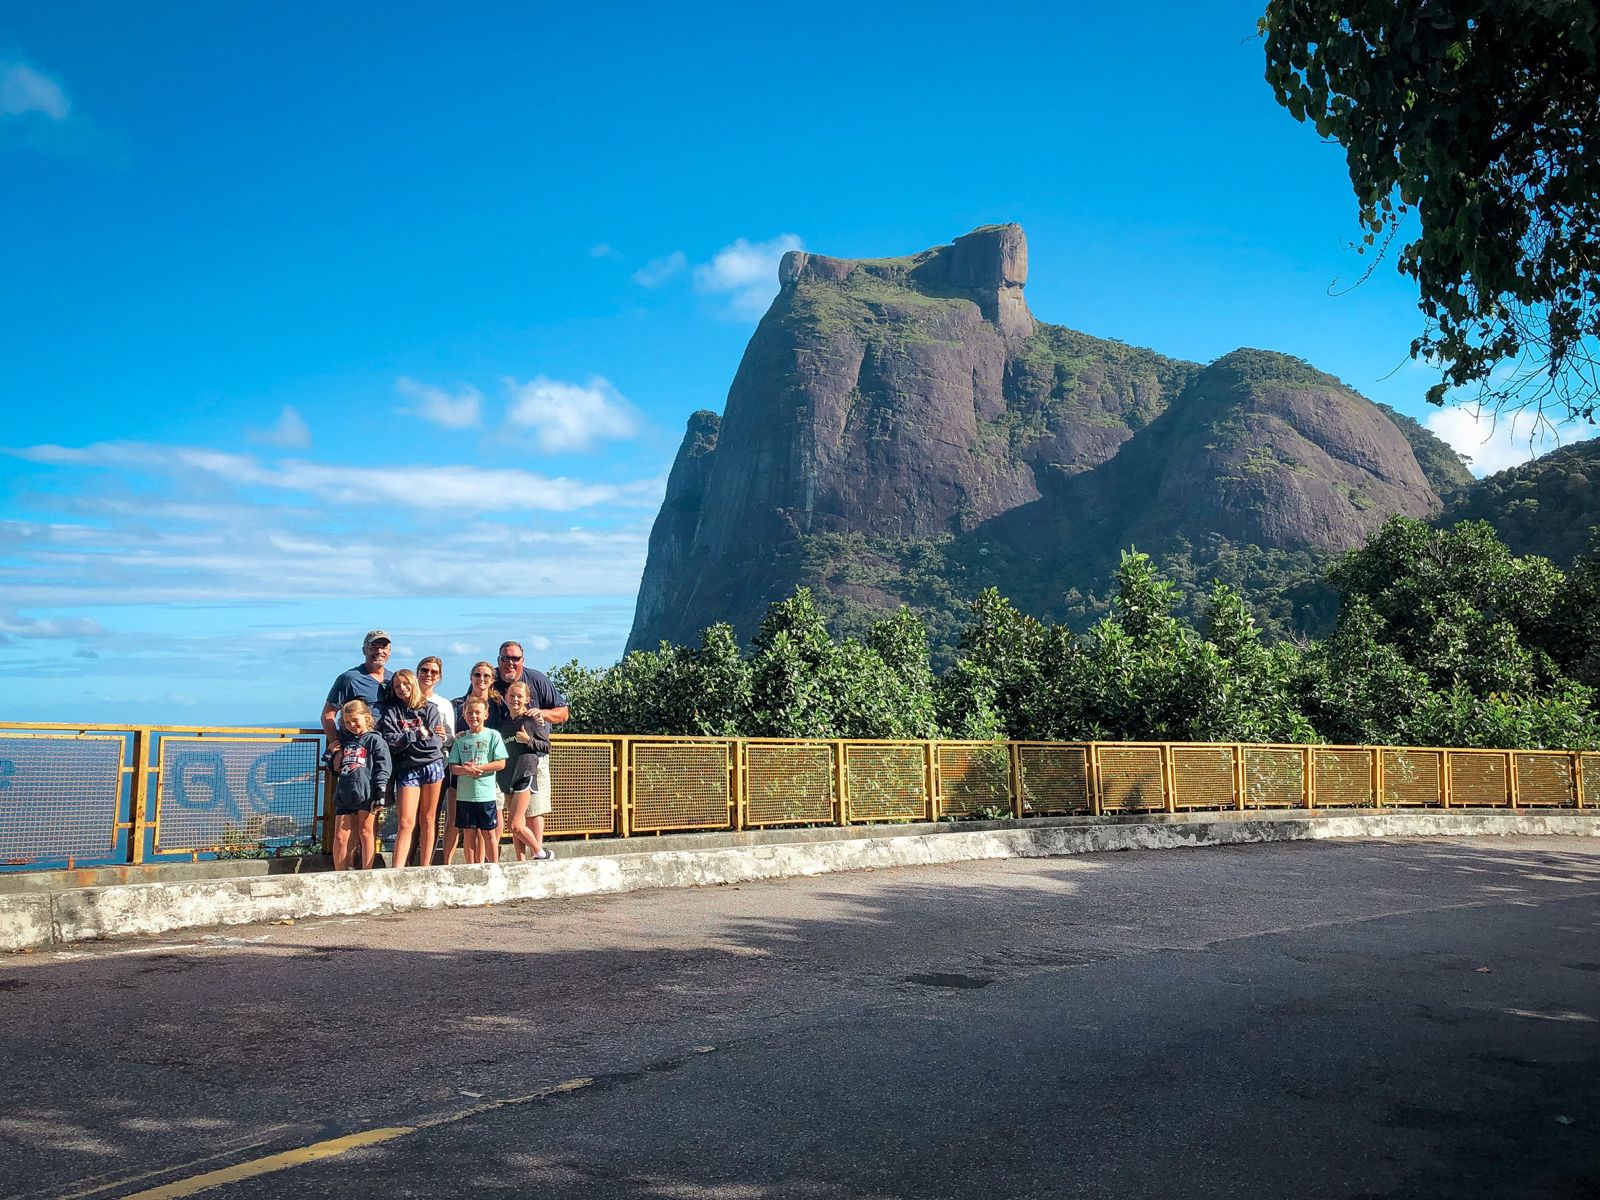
[[988, 265], [903, 429]]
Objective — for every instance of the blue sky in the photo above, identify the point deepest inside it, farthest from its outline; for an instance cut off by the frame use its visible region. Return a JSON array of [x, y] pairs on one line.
[[318, 318]]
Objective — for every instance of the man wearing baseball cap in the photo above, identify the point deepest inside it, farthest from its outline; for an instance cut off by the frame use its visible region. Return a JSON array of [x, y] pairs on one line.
[[366, 681]]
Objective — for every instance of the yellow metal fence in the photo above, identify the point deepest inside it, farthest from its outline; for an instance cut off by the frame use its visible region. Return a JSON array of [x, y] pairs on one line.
[[74, 796]]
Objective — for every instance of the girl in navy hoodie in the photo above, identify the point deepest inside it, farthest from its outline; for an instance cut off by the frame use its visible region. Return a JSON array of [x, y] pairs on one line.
[[358, 798], [411, 725]]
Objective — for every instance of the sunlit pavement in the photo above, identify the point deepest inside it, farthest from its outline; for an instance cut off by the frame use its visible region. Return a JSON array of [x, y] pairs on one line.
[[1405, 1019]]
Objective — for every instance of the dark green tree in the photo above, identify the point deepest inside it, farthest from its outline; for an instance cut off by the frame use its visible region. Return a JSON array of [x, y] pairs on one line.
[[1457, 604], [1480, 118]]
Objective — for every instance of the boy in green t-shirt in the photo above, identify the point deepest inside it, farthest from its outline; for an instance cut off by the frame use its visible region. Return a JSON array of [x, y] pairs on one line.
[[475, 756]]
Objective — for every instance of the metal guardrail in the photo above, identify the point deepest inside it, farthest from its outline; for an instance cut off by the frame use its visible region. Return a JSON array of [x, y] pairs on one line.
[[78, 796]]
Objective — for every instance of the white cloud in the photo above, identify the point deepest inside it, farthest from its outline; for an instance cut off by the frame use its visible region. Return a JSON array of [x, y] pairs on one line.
[[1492, 442], [14, 625], [225, 562], [658, 270], [746, 273], [24, 90], [604, 250], [290, 433], [567, 416], [424, 488], [453, 410]]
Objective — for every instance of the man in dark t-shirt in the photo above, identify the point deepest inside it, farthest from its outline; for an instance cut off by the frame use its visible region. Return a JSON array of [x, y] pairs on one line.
[[367, 681], [552, 705]]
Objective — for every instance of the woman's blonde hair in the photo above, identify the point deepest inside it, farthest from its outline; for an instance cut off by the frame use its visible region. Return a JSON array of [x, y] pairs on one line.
[[357, 708], [414, 690]]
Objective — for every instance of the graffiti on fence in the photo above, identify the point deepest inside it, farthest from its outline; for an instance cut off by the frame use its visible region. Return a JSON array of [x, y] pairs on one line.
[[219, 793]]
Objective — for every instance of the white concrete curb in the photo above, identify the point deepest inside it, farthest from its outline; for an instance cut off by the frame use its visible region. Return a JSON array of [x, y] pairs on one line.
[[33, 920]]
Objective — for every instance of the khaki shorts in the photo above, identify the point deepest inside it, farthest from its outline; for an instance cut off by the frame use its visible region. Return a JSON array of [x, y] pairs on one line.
[[539, 803]]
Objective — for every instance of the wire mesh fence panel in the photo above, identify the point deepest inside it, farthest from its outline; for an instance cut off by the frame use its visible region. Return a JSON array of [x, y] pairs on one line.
[[681, 785], [1591, 780], [1130, 778], [788, 783], [1478, 779], [1055, 779], [1412, 778], [1274, 778], [582, 788], [60, 797], [216, 793], [1202, 777], [1343, 778], [886, 782], [1544, 780], [974, 780]]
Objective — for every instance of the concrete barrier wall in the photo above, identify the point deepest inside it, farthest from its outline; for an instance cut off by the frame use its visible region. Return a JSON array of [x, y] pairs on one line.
[[31, 921]]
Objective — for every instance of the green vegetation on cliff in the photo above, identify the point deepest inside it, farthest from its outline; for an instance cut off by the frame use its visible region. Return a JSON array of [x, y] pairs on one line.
[[1442, 637], [1549, 506]]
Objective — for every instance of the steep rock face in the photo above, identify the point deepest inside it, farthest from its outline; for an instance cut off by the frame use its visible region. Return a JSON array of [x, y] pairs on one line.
[[1269, 452], [904, 429], [674, 528]]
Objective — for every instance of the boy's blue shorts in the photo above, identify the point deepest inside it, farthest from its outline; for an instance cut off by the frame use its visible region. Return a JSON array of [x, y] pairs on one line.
[[473, 815]]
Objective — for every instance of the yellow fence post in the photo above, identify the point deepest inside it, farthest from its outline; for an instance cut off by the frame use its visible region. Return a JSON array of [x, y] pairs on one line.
[[1577, 780], [737, 764], [931, 759], [625, 785], [1511, 773], [1169, 782], [1309, 777], [140, 796], [841, 795], [1377, 775], [1014, 753], [1096, 804], [1240, 785]]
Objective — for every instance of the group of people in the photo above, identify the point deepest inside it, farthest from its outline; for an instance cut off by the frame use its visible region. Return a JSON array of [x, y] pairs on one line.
[[391, 739]]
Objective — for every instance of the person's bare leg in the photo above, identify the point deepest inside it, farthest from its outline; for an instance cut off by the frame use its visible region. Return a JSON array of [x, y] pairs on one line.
[[427, 823], [536, 834], [406, 830], [367, 836], [452, 835], [491, 844], [521, 836], [341, 841]]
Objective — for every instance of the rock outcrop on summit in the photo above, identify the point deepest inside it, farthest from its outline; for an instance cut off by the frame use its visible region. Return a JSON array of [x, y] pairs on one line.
[[904, 430]]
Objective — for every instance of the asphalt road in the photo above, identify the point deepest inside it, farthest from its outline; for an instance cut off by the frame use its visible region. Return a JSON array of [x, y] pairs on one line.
[[1378, 1019]]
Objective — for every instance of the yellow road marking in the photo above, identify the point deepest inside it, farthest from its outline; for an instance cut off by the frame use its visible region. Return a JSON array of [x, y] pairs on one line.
[[332, 1148], [94, 1187], [272, 1162]]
